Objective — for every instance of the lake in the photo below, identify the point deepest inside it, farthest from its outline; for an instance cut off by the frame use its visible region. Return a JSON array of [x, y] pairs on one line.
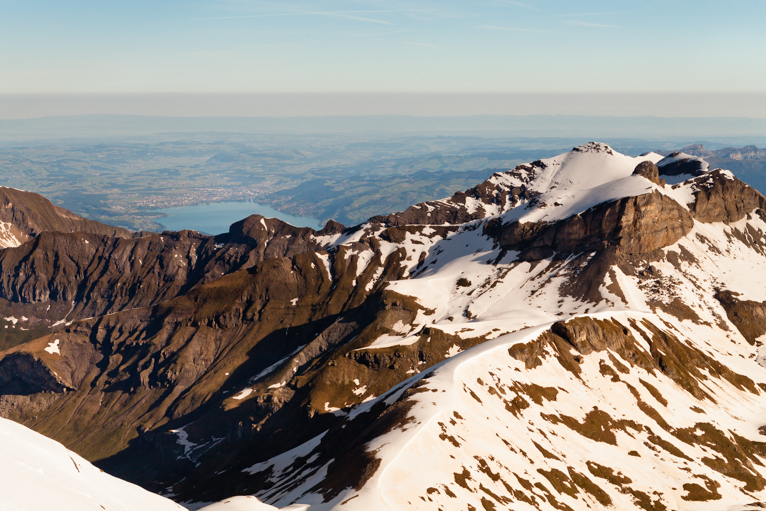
[[215, 218]]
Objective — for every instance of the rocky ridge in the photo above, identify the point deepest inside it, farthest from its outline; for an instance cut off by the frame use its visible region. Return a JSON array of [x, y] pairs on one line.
[[24, 215], [59, 277]]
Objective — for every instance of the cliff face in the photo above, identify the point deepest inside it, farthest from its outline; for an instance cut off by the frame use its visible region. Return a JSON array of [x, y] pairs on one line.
[[722, 198], [636, 225], [574, 333]]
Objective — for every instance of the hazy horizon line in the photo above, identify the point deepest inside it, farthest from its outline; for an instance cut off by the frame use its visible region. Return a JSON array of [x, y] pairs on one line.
[[386, 116], [438, 104]]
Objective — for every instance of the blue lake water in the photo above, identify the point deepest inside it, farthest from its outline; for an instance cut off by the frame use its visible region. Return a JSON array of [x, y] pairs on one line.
[[216, 218]]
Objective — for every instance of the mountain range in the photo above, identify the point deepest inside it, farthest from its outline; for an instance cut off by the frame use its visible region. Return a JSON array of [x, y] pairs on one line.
[[583, 331], [750, 152]]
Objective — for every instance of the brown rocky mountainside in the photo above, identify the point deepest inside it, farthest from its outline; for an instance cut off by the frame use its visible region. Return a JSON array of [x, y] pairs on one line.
[[59, 277], [575, 333], [24, 215]]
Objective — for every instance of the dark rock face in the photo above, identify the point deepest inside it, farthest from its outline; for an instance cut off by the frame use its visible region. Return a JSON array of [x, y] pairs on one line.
[[98, 275], [674, 166], [635, 225], [650, 171], [723, 198], [156, 362], [748, 316], [23, 374], [275, 238]]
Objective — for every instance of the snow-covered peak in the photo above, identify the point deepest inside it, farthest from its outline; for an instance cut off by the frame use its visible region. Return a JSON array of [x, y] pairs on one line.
[[593, 147], [550, 189], [581, 178], [679, 163]]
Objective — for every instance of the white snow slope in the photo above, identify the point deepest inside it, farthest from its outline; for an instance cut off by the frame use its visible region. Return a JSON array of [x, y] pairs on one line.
[[487, 430], [39, 474]]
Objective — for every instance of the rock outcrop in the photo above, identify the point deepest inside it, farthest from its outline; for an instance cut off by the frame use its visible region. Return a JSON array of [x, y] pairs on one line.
[[22, 374], [634, 225], [720, 197], [650, 171], [747, 315], [679, 164]]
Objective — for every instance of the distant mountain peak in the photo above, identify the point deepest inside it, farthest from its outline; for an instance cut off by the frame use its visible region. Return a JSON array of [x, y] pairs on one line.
[[593, 147], [696, 150], [749, 152]]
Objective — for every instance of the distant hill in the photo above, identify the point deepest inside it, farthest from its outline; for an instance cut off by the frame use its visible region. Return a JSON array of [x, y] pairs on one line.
[[750, 152], [747, 163]]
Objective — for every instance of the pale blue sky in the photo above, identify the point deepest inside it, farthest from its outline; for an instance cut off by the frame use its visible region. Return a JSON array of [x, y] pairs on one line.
[[393, 46]]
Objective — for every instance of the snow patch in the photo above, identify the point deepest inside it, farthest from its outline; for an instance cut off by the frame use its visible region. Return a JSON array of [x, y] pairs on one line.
[[243, 394], [454, 350], [7, 239], [53, 348]]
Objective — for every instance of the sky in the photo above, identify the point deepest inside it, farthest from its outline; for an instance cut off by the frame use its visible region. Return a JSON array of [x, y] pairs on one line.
[[335, 46]]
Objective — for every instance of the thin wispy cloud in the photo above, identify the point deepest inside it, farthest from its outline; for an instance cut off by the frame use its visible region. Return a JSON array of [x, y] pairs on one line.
[[510, 29], [209, 53], [337, 14], [359, 18], [372, 7], [415, 16], [424, 45], [580, 23], [367, 32], [592, 14], [519, 4]]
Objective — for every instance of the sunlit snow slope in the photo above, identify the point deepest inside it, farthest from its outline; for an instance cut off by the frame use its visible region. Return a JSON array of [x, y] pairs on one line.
[[39, 474], [620, 318]]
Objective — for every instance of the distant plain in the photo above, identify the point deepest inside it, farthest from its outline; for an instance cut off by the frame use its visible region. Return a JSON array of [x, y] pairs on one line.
[[347, 169]]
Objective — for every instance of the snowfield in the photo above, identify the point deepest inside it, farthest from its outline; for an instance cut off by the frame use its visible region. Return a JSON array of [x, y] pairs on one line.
[[39, 474]]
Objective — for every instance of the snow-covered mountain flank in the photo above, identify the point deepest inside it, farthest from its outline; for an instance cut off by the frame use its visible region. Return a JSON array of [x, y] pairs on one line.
[[580, 332], [40, 474]]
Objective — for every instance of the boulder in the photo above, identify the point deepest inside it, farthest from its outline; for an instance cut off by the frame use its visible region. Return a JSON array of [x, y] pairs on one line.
[[650, 171]]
